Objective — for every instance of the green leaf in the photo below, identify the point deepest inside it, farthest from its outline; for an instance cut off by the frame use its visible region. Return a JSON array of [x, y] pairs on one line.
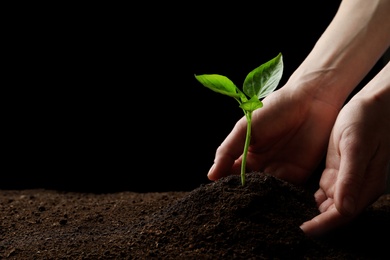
[[219, 83], [252, 104], [265, 78]]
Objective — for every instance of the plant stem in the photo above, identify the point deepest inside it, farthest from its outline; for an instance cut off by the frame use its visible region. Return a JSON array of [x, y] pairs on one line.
[[247, 142]]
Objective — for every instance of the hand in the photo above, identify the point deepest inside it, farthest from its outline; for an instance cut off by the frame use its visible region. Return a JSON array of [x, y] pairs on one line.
[[356, 165], [289, 137]]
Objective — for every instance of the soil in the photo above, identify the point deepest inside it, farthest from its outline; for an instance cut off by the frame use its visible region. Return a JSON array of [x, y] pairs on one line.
[[219, 220]]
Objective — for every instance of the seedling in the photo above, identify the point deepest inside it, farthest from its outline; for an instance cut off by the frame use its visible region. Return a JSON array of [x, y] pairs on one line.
[[257, 85]]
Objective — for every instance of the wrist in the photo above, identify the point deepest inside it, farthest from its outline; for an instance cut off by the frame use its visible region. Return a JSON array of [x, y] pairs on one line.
[[326, 85], [377, 91]]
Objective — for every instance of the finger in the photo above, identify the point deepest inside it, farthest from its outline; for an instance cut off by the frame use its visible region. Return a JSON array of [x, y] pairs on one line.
[[229, 151], [324, 222], [323, 202], [327, 184], [320, 196]]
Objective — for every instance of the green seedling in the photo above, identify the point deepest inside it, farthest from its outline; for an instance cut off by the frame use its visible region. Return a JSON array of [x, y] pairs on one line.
[[257, 85]]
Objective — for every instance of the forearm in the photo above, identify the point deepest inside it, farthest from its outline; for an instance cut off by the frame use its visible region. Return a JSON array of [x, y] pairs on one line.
[[354, 41]]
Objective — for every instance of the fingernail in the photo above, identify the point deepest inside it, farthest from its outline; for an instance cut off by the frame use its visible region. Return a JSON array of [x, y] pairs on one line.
[[211, 170], [349, 204], [302, 226]]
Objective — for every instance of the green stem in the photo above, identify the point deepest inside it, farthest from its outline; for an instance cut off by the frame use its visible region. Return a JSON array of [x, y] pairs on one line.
[[247, 142]]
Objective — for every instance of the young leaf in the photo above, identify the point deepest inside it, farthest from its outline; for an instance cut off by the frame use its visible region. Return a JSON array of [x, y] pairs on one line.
[[251, 105], [265, 78], [219, 83]]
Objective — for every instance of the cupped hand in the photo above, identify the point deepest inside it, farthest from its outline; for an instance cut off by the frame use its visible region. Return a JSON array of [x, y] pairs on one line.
[[289, 137], [356, 165]]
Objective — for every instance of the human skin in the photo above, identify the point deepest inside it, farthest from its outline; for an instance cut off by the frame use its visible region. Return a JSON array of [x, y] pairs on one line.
[[306, 119], [358, 157]]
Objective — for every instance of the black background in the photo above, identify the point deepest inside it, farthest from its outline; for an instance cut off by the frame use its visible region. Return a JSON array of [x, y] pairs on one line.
[[103, 98]]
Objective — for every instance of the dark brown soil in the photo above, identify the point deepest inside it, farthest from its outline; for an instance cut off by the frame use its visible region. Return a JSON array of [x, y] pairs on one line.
[[220, 220]]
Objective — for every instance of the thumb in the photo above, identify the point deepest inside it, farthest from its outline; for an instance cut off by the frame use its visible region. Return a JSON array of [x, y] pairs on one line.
[[228, 152], [350, 180]]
